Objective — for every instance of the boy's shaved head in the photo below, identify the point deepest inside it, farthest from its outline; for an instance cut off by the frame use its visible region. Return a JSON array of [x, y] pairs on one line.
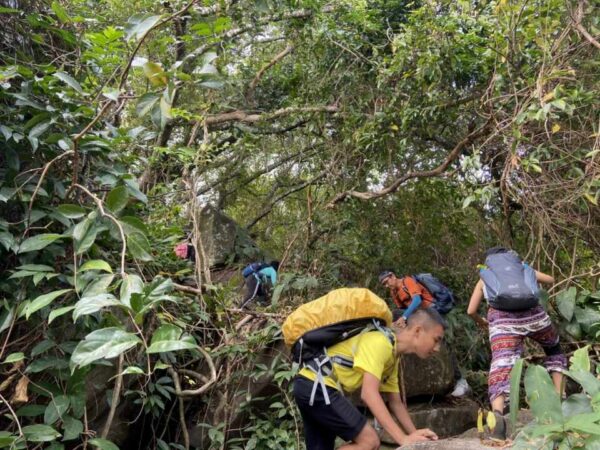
[[426, 318]]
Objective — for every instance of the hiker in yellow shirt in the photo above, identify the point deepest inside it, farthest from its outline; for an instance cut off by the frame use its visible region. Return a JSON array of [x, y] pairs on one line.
[[369, 362]]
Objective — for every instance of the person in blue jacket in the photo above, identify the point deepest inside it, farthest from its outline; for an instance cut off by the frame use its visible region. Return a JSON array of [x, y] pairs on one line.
[[259, 283]]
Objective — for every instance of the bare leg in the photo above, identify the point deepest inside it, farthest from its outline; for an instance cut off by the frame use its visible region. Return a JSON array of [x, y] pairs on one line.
[[367, 439], [557, 379], [498, 404]]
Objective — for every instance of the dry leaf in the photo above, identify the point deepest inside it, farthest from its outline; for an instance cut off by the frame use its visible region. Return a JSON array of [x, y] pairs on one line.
[[6, 383], [20, 395]]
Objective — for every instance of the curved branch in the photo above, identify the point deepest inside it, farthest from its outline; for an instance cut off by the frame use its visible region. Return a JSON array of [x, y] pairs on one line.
[[453, 155], [261, 72], [234, 174], [206, 383], [245, 117], [576, 18], [267, 209]]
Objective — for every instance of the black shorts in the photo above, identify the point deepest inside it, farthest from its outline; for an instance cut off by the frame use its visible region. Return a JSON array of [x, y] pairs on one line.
[[322, 423]]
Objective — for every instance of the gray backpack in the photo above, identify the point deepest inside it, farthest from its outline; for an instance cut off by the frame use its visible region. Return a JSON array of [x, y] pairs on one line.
[[508, 283]]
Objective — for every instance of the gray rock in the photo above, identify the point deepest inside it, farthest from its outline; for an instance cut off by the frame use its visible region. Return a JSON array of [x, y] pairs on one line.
[[444, 444], [224, 240], [444, 418], [432, 376]]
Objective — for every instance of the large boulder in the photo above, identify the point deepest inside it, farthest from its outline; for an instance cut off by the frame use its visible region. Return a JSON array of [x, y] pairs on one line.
[[445, 444], [446, 419], [427, 377], [224, 241]]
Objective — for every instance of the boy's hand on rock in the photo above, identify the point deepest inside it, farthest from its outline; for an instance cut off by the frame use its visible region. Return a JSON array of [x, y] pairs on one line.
[[426, 432], [422, 435]]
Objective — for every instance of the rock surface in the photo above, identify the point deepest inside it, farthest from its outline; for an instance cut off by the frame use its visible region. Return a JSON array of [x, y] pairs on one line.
[[431, 376], [444, 444], [224, 240], [446, 419]]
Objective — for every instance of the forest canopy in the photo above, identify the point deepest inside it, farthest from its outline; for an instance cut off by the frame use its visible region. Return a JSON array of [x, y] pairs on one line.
[[343, 137]]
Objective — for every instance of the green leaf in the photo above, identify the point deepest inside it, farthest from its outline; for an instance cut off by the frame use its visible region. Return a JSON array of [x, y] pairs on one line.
[[585, 423], [146, 103], [103, 444], [576, 404], [131, 284], [14, 357], [117, 199], [139, 247], [72, 428], [68, 79], [7, 240], [90, 305], [43, 301], [99, 285], [40, 433], [515, 389], [59, 312], [85, 236], [104, 343], [587, 317], [60, 12], [139, 24], [566, 302], [57, 407], [155, 74], [132, 224], [96, 264], [588, 382], [71, 211], [168, 338], [580, 360], [31, 410], [541, 396], [38, 242], [6, 318], [133, 370]]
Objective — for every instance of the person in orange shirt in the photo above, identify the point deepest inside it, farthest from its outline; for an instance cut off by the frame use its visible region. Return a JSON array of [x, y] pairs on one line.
[[409, 296]]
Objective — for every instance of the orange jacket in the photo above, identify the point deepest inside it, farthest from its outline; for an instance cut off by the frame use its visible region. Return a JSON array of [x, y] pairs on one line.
[[408, 288]]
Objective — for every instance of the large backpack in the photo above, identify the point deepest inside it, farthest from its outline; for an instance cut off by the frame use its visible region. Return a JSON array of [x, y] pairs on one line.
[[508, 283], [253, 268], [328, 320], [442, 295]]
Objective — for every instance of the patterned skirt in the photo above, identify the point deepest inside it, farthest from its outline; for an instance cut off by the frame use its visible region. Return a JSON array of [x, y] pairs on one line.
[[508, 330]]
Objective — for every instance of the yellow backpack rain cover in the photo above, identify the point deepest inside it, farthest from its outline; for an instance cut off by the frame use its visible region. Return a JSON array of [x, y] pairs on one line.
[[340, 305]]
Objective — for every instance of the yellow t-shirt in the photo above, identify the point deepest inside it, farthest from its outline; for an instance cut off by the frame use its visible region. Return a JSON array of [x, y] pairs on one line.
[[372, 352]]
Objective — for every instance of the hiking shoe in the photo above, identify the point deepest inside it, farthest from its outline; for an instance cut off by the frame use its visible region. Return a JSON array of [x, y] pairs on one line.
[[461, 388], [499, 432]]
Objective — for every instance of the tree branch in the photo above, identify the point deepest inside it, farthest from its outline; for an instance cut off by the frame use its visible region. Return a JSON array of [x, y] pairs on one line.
[[456, 151], [267, 209], [245, 117], [261, 72], [576, 18]]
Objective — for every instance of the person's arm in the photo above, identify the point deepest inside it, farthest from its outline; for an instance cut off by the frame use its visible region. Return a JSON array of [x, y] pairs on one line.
[[372, 397], [474, 303], [273, 275], [544, 278], [414, 305], [399, 410]]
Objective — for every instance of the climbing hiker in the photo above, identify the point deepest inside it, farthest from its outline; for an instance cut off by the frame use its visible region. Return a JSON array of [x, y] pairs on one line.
[[424, 291], [511, 289], [185, 251], [365, 361], [259, 279]]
